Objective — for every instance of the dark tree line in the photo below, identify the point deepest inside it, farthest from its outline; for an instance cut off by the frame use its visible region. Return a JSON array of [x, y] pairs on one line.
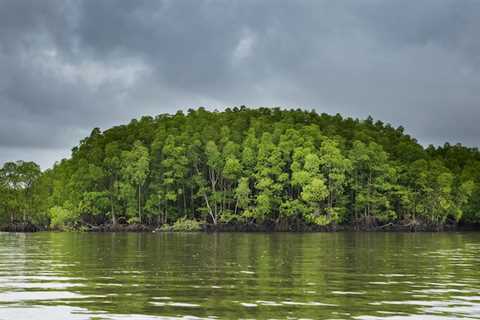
[[247, 166]]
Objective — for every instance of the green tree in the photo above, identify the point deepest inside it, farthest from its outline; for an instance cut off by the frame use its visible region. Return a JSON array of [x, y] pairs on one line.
[[135, 169], [307, 177], [373, 181], [113, 165], [335, 168]]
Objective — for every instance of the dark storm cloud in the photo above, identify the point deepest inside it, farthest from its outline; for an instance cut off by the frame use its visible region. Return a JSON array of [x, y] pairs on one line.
[[68, 66]]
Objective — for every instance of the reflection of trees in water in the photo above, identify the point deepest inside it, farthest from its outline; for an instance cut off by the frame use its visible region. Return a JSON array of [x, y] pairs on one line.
[[274, 275]]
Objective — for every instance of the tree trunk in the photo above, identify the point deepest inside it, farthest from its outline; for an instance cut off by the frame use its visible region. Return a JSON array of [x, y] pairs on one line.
[[212, 214], [184, 200], [114, 217], [139, 204]]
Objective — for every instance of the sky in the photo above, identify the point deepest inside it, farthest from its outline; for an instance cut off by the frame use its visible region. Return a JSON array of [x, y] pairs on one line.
[[69, 66]]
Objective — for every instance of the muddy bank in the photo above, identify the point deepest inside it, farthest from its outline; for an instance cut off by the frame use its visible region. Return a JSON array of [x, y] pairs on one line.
[[20, 227], [252, 227], [299, 227]]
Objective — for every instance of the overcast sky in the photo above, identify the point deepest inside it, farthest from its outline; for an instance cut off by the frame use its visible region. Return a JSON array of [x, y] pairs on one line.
[[69, 66]]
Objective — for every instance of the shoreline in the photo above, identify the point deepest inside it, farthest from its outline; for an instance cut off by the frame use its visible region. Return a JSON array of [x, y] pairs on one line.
[[249, 228]]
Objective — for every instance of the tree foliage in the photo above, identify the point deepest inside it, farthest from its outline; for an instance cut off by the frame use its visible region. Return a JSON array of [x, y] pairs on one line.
[[247, 166]]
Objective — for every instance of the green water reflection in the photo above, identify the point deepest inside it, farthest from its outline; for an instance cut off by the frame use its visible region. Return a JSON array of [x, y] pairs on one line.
[[240, 276]]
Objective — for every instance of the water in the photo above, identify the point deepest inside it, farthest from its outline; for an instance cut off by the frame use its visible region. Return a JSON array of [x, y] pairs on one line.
[[240, 276]]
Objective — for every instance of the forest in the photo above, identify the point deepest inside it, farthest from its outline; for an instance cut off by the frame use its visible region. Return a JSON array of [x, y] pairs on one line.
[[242, 169]]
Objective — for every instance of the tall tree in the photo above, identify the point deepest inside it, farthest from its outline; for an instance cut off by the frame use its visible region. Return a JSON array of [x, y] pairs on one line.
[[135, 168], [335, 167], [373, 180]]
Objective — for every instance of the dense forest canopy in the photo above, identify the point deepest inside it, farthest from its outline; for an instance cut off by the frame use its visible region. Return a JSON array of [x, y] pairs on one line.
[[247, 166]]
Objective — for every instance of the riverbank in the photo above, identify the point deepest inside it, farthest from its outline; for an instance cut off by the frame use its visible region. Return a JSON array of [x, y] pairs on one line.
[[21, 227], [252, 227]]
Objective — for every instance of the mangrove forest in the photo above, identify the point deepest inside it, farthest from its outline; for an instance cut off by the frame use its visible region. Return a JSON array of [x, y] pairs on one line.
[[243, 169]]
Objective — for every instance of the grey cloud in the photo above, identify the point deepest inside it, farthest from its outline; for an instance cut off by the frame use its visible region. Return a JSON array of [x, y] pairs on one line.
[[67, 66]]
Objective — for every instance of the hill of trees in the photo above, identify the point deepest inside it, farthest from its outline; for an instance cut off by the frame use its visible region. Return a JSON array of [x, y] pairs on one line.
[[270, 167]]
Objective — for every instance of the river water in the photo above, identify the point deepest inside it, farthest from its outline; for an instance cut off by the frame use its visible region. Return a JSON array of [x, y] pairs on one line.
[[240, 276]]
